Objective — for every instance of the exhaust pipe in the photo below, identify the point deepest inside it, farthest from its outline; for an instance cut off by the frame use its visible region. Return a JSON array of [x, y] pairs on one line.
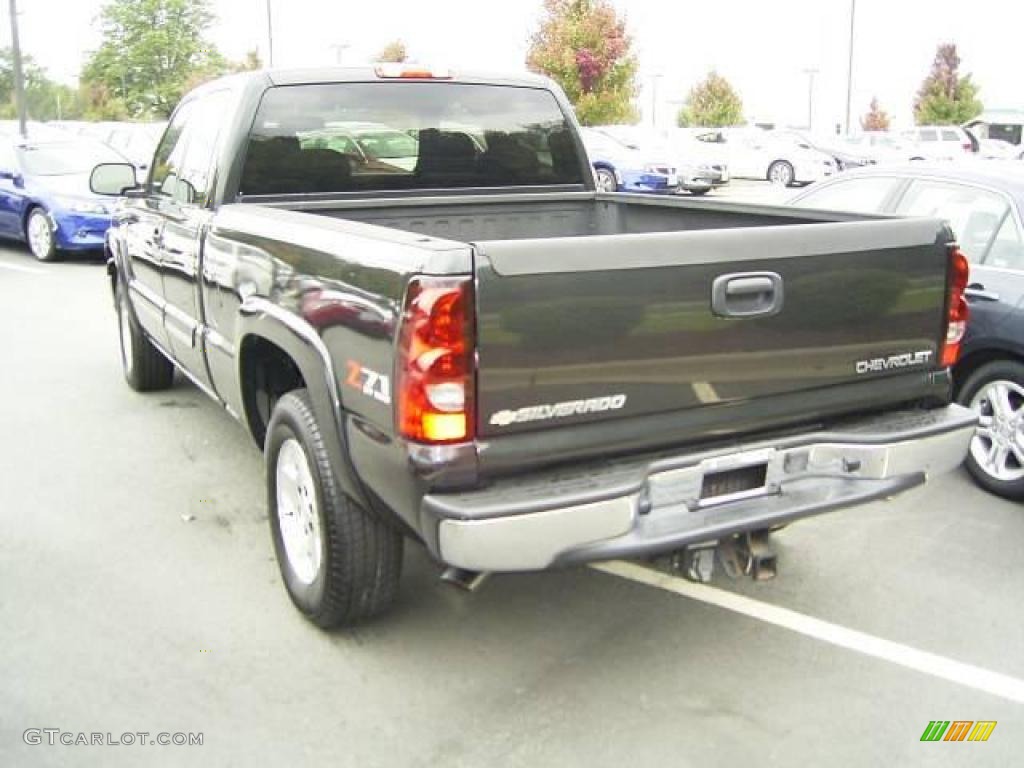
[[469, 581]]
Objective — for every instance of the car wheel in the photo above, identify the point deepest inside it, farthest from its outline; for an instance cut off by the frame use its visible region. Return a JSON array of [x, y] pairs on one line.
[[605, 180], [339, 563], [996, 458], [781, 172], [40, 236], [145, 367], [699, 192]]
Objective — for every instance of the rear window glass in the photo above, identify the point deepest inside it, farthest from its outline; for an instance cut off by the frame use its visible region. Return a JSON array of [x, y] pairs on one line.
[[354, 137]]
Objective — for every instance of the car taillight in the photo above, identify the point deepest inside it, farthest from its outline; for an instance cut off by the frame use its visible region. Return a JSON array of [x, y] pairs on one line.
[[396, 71], [435, 372], [957, 311]]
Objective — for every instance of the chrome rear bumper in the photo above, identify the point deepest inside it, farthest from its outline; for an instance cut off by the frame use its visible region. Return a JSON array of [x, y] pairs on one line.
[[640, 507]]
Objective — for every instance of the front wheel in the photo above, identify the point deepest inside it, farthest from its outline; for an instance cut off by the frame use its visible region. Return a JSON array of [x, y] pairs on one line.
[[699, 192], [605, 180], [996, 458], [781, 172], [145, 367], [41, 239], [339, 563]]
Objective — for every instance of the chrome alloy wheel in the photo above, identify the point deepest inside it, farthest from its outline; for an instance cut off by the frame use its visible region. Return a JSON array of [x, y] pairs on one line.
[[40, 236], [998, 445], [298, 515]]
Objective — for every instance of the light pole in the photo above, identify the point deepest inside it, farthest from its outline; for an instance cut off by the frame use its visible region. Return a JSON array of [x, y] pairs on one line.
[[270, 37], [849, 65], [654, 99], [810, 96], [339, 49], [19, 80]]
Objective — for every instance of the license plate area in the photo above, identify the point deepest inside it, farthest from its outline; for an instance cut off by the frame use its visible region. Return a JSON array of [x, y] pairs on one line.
[[733, 483]]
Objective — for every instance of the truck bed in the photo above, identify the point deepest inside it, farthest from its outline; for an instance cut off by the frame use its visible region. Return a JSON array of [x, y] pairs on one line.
[[536, 217]]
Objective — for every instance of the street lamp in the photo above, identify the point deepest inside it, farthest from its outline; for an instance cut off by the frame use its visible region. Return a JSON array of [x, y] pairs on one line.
[[19, 80], [810, 96], [849, 65], [270, 37]]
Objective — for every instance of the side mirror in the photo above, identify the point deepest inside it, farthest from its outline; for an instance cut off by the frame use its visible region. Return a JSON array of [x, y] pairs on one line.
[[112, 178], [12, 176]]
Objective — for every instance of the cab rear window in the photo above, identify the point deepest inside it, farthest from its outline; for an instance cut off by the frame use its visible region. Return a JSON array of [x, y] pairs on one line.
[[380, 136]]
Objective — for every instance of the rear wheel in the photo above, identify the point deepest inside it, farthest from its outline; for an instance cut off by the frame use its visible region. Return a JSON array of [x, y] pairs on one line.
[[781, 172], [699, 192], [996, 458], [339, 563], [39, 232], [605, 180], [145, 367]]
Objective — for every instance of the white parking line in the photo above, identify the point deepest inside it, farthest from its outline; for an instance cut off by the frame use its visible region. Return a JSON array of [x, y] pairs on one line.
[[967, 675], [18, 268]]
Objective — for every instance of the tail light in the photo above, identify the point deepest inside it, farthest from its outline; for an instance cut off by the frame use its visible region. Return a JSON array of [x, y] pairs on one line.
[[435, 373], [957, 311], [396, 71]]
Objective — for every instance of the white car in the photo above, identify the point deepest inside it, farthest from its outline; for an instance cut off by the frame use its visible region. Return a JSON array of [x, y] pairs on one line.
[[884, 147], [754, 153], [941, 142]]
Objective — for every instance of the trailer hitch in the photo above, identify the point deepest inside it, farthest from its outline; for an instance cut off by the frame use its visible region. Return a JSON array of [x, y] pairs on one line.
[[749, 554]]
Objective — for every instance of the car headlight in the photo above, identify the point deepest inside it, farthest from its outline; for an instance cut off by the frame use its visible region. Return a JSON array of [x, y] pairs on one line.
[[81, 205]]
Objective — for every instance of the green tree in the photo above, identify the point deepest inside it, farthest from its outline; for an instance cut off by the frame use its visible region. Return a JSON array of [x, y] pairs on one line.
[[876, 118], [712, 103], [394, 51], [583, 46], [44, 98], [151, 51], [946, 98]]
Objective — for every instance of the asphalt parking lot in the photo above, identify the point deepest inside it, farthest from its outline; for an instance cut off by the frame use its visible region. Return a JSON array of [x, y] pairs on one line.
[[139, 594]]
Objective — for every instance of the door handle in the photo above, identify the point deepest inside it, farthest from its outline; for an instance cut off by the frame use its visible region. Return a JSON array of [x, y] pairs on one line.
[[977, 291], [747, 294]]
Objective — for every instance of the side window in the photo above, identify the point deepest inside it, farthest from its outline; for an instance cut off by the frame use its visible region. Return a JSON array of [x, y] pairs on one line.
[[200, 139], [973, 213], [855, 195], [1007, 251], [928, 134], [950, 136], [163, 176]]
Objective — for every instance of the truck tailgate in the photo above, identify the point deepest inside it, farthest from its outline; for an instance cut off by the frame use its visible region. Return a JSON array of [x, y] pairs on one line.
[[577, 330]]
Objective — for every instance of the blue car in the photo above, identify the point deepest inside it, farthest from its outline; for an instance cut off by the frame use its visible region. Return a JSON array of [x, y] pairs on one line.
[[617, 168], [45, 198]]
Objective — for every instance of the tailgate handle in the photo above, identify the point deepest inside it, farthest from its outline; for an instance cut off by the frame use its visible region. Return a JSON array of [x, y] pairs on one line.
[[747, 294]]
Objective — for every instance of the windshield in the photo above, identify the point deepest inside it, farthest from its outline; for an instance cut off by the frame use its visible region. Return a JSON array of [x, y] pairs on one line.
[[350, 137], [61, 159]]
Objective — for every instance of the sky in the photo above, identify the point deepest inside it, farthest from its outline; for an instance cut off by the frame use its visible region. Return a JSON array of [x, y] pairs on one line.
[[764, 47]]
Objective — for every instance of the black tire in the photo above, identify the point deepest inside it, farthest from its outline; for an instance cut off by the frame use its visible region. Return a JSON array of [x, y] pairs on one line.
[[998, 370], [48, 251], [605, 180], [699, 192], [145, 367], [360, 556], [781, 172]]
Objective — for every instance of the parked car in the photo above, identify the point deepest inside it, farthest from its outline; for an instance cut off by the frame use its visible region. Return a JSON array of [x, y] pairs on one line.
[[755, 154], [45, 198], [844, 155], [984, 203], [485, 354], [692, 159], [999, 124], [136, 141], [884, 148], [940, 142], [618, 168]]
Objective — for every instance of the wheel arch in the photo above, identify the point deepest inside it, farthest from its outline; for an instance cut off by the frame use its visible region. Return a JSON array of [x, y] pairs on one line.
[[278, 348], [976, 358]]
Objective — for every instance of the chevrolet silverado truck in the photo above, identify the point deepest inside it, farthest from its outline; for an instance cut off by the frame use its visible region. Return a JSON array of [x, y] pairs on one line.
[[447, 334]]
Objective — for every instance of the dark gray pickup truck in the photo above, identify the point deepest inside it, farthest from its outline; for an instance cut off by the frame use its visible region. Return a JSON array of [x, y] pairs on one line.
[[404, 284]]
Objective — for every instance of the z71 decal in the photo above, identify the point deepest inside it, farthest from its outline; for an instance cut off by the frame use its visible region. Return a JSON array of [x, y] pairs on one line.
[[370, 383]]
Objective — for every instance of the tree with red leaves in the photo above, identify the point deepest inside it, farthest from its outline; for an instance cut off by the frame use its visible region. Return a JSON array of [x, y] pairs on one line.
[[946, 98], [876, 118], [583, 46]]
